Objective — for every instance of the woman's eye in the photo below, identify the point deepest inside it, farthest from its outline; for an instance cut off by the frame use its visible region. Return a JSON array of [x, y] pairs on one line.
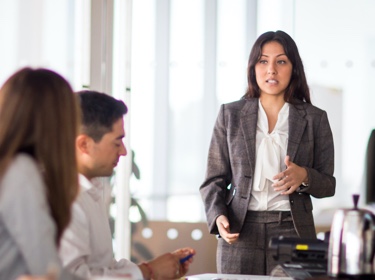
[[262, 61], [282, 62]]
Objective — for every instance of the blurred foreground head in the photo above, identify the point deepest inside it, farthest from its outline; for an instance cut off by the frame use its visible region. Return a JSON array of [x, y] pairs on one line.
[[39, 115]]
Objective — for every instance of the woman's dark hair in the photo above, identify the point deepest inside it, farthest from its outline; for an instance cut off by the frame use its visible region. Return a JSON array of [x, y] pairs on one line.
[[297, 88]]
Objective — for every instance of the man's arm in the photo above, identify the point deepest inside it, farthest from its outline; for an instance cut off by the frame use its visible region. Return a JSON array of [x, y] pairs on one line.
[[75, 243], [88, 227]]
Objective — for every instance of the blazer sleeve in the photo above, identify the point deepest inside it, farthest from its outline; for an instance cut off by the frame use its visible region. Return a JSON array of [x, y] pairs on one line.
[[322, 183], [218, 174]]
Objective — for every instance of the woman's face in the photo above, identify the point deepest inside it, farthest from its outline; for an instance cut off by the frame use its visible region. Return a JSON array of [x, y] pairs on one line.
[[273, 71]]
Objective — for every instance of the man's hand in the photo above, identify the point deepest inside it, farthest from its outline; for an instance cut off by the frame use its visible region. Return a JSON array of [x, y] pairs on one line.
[[185, 256], [168, 266]]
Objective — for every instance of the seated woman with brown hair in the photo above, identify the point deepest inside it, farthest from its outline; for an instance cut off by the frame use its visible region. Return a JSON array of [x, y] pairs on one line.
[[39, 118]]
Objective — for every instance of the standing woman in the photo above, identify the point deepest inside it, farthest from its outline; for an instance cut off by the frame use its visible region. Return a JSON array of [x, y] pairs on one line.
[[39, 119], [269, 152]]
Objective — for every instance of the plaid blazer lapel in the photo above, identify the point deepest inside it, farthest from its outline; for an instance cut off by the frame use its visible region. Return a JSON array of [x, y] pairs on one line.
[[249, 118], [297, 125]]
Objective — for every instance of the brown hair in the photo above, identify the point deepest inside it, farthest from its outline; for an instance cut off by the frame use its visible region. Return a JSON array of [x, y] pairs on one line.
[[39, 115], [297, 88]]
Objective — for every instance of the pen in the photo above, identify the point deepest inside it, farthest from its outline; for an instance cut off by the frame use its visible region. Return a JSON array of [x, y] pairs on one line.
[[186, 258]]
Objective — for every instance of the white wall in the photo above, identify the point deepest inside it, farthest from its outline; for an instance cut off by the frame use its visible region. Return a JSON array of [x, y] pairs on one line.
[[336, 40], [44, 33], [337, 45]]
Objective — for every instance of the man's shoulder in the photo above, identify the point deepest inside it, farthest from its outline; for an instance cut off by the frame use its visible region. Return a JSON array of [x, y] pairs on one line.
[[83, 199], [79, 213]]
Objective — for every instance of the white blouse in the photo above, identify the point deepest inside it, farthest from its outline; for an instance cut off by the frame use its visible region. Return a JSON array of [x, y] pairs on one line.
[[27, 230], [270, 154], [86, 247]]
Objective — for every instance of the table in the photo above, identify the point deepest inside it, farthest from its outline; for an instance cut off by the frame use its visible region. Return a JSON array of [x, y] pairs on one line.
[[213, 276]]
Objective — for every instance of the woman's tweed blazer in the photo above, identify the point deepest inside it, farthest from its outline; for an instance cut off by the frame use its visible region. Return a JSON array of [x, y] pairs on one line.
[[231, 159]]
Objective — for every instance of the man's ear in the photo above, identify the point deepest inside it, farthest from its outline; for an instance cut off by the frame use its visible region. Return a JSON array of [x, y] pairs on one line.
[[83, 143]]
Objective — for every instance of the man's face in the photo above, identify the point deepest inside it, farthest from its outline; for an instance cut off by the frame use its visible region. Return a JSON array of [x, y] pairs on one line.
[[104, 155]]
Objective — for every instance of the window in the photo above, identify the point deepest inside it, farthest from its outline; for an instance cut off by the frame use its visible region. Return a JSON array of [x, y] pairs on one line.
[[188, 57]]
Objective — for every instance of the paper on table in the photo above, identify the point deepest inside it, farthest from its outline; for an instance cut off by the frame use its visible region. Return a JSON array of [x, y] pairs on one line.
[[213, 276]]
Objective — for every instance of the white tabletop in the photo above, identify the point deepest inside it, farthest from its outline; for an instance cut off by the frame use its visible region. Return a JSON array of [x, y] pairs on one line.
[[213, 276]]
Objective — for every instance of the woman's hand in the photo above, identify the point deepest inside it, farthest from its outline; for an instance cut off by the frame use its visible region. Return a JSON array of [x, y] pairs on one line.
[[34, 278], [52, 274], [290, 179], [224, 230]]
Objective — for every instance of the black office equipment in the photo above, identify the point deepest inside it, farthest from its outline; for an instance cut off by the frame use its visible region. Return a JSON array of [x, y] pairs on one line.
[[299, 258]]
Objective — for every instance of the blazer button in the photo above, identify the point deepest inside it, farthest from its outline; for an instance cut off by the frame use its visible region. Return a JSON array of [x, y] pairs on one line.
[[291, 201]]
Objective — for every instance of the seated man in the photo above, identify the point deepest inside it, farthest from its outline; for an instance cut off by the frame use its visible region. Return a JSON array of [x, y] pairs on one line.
[[86, 246]]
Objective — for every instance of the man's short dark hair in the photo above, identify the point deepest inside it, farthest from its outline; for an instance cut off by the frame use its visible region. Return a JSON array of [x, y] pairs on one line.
[[99, 112]]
